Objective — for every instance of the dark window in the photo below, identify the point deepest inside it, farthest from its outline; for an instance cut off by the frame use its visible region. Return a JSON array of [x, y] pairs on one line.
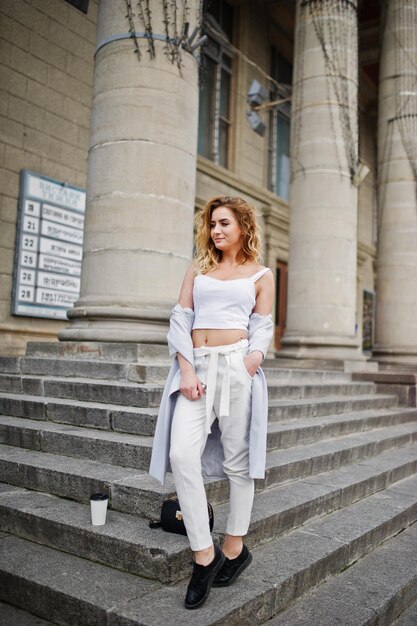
[[82, 5], [214, 120], [277, 291], [279, 137]]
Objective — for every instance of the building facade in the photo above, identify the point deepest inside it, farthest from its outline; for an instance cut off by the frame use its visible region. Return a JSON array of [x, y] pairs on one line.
[[307, 109]]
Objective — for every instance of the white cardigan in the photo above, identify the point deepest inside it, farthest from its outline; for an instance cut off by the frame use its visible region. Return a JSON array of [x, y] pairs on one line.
[[260, 331]]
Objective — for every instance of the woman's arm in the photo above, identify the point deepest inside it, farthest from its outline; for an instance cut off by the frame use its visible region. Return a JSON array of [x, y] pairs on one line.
[[186, 291], [264, 302], [190, 385], [265, 294]]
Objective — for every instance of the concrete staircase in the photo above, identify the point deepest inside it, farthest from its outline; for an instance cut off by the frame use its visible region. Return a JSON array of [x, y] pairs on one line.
[[332, 528]]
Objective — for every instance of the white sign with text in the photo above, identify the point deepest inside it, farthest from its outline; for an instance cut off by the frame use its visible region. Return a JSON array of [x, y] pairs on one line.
[[48, 247]]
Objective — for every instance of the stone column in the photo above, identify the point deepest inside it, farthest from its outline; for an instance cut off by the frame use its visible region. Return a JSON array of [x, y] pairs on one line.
[[141, 182], [396, 314], [323, 199]]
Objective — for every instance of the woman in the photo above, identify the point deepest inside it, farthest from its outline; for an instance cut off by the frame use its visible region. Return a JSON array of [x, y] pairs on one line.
[[219, 331]]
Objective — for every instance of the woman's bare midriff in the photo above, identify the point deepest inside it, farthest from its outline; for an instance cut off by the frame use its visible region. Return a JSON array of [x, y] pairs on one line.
[[212, 337]]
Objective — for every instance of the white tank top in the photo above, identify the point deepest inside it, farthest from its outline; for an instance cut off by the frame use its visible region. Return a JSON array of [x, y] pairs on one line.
[[224, 303]]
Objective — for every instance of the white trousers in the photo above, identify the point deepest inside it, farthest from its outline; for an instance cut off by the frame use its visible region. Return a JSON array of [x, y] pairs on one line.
[[228, 397]]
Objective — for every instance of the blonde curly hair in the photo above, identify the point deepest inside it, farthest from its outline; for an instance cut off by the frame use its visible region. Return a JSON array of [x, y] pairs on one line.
[[207, 256]]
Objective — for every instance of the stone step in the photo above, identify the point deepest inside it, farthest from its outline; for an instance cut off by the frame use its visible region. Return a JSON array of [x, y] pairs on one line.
[[149, 394], [285, 568], [130, 450], [84, 443], [314, 390], [304, 431], [282, 508], [409, 617], [305, 364], [330, 405], [77, 591], [11, 616], [71, 478], [282, 466], [104, 416], [64, 367], [134, 491], [66, 589], [289, 375], [142, 371], [145, 371], [85, 389], [110, 351], [368, 592], [310, 459], [142, 421], [10, 364], [126, 542]]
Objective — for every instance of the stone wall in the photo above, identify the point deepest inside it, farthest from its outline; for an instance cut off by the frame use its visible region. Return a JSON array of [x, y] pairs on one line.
[[46, 75]]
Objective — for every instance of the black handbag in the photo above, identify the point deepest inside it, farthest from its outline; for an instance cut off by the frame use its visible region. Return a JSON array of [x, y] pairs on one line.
[[171, 517]]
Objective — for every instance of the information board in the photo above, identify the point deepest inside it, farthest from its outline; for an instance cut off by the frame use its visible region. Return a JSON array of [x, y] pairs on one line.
[[49, 240]]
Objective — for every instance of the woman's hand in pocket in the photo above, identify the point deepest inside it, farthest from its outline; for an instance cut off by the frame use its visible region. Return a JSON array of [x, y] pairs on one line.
[[252, 361], [190, 385]]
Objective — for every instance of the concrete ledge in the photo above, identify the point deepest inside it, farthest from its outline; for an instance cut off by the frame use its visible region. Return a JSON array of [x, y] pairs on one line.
[[111, 351], [402, 384], [319, 389], [400, 378], [323, 364], [330, 405]]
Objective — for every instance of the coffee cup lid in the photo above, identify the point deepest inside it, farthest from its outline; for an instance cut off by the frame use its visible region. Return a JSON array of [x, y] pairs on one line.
[[99, 496]]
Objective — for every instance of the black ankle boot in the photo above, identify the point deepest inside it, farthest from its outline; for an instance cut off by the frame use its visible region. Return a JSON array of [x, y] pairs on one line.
[[201, 580], [232, 568]]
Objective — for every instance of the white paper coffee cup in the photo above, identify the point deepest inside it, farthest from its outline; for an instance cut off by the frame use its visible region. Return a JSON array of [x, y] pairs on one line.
[[98, 503]]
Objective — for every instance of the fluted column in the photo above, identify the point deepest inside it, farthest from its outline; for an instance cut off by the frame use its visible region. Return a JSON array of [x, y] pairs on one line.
[[396, 313], [323, 214], [141, 181]]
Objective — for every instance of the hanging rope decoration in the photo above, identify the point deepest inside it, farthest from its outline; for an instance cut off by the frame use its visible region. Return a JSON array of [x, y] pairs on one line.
[[298, 96], [335, 25], [132, 29], [175, 20], [145, 15], [406, 72]]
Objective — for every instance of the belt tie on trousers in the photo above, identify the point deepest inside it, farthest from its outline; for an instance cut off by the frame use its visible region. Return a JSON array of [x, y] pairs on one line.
[[212, 371]]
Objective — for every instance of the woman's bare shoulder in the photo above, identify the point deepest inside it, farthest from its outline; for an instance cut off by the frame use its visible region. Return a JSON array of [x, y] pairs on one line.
[[186, 292], [192, 268], [257, 267]]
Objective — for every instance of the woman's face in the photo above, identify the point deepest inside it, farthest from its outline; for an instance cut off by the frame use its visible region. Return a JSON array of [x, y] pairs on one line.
[[225, 230]]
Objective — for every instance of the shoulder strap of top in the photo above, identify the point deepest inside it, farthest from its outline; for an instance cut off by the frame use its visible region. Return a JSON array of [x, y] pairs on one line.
[[259, 274]]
